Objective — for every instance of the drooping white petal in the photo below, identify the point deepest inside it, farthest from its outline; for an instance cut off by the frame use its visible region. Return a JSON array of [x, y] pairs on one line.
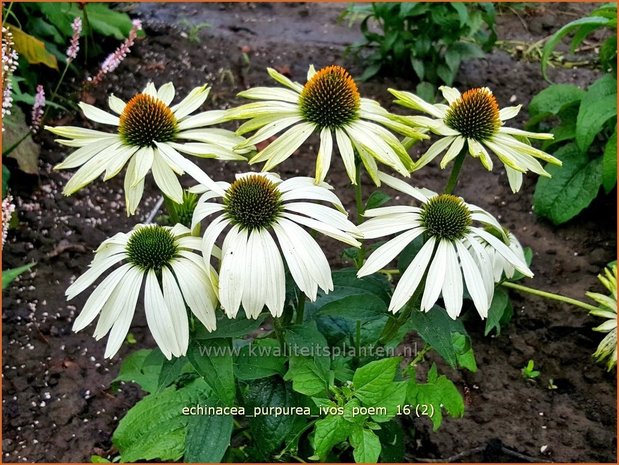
[[178, 314], [398, 184], [387, 252], [159, 318], [85, 153], [166, 93], [143, 163], [347, 153], [231, 282], [274, 274], [270, 93], [166, 179], [197, 289], [119, 330], [434, 151], [452, 290], [133, 194], [514, 178], [118, 162], [323, 160], [205, 118], [92, 274], [411, 278], [99, 297], [436, 276], [324, 214], [453, 151], [192, 102], [505, 251], [388, 224], [473, 279], [284, 146], [98, 115], [324, 228], [256, 286]]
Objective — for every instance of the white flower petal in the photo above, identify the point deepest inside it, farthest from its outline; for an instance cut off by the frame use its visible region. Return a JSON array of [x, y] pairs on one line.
[[434, 151], [452, 290], [324, 228], [231, 282], [116, 104], [411, 278], [192, 102], [166, 93], [451, 94], [133, 194], [275, 274], [406, 188], [453, 151], [159, 318], [206, 118], [347, 153], [150, 90], [323, 160], [175, 303], [283, 80], [509, 112], [474, 280], [85, 153], [256, 286], [166, 179], [270, 93], [436, 276], [505, 251], [198, 291], [387, 252], [143, 163], [100, 116], [92, 274], [284, 146]]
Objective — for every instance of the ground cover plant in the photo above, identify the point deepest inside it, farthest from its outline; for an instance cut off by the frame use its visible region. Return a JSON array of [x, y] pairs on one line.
[[294, 353]]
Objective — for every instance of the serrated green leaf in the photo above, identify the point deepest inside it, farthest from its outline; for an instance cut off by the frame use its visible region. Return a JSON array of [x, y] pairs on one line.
[[108, 22], [553, 99], [155, 428], [371, 380], [366, 445], [308, 377], [208, 437], [142, 368], [212, 359], [439, 392], [328, 432], [8, 276], [598, 105], [571, 188], [269, 431], [500, 302], [170, 371], [609, 163], [376, 199], [435, 327], [260, 359]]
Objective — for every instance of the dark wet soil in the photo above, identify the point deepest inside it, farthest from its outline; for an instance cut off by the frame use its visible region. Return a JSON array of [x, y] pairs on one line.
[[57, 402]]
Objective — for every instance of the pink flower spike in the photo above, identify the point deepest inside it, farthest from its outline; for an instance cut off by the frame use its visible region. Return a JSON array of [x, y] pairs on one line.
[[74, 46], [115, 59], [7, 211], [37, 109]]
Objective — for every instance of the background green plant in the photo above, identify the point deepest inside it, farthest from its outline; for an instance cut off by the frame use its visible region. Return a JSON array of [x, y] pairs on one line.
[[584, 123], [422, 39]]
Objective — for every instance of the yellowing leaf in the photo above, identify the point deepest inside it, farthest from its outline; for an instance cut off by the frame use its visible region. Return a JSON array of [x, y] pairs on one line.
[[32, 49]]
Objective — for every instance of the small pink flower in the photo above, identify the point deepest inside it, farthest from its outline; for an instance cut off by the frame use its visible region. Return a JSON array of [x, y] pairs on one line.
[[9, 63], [37, 109], [74, 47], [116, 58]]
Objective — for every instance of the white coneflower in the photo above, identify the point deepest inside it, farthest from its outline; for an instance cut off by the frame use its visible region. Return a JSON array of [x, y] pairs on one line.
[[150, 134], [175, 276], [328, 104], [8, 207], [474, 119], [115, 59], [9, 64], [454, 249], [37, 109], [74, 46], [607, 349], [255, 206]]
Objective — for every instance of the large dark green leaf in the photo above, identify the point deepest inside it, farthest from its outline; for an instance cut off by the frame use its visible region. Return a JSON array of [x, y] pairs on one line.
[[609, 163], [212, 359], [261, 358], [598, 105], [208, 437]]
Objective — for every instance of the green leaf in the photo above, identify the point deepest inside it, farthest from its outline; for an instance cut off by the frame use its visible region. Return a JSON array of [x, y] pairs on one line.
[[391, 438], [436, 328], [170, 371], [305, 336], [155, 428], [598, 105], [98, 459], [418, 67], [308, 377], [376, 284], [269, 431], [366, 445], [609, 163], [426, 91], [8, 276], [27, 151], [437, 394], [212, 359], [260, 359], [32, 49], [371, 380], [6, 175], [464, 351], [498, 307], [108, 22], [553, 99], [353, 304], [328, 432], [554, 40], [571, 188], [142, 367], [376, 199], [208, 437], [231, 327]]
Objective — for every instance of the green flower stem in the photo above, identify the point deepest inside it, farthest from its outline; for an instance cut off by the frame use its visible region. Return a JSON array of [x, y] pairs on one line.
[[419, 356], [55, 93], [455, 171], [549, 295], [300, 309]]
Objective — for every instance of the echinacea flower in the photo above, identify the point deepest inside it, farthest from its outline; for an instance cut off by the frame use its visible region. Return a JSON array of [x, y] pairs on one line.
[[254, 207], [329, 104], [607, 349], [174, 275], [454, 248], [474, 119], [150, 134]]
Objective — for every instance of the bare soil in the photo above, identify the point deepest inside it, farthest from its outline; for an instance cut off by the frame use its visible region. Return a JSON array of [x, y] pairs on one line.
[[57, 402]]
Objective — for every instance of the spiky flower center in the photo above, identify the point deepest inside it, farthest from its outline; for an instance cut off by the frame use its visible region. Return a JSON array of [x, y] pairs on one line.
[[330, 99], [146, 120], [475, 114], [151, 247], [446, 217], [253, 202]]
